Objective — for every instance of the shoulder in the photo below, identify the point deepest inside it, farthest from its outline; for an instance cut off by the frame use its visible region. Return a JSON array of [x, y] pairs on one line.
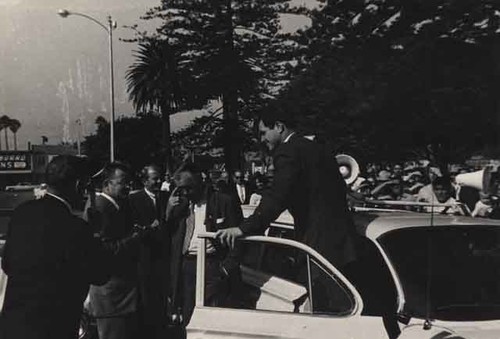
[[136, 195], [27, 208], [102, 203]]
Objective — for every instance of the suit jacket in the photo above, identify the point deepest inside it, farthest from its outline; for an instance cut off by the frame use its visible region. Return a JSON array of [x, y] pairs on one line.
[[119, 295], [223, 211], [144, 212], [51, 258], [153, 261], [220, 206], [308, 183], [248, 193]]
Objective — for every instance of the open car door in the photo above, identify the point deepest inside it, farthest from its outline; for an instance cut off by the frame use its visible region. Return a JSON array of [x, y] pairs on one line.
[[287, 290]]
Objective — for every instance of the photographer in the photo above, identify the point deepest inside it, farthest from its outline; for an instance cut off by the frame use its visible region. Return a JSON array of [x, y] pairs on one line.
[[114, 304]]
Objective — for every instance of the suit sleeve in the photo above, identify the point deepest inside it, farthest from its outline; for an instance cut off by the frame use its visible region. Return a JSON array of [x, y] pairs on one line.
[[233, 212], [95, 259], [125, 246], [275, 201]]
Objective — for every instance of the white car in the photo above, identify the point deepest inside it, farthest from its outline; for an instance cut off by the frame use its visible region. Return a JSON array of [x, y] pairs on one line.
[[436, 276]]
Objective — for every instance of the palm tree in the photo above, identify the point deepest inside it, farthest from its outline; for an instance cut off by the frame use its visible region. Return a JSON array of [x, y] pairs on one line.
[[153, 83], [5, 122], [14, 127]]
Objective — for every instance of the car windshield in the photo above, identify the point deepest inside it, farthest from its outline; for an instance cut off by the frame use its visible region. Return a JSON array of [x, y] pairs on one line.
[[447, 272]]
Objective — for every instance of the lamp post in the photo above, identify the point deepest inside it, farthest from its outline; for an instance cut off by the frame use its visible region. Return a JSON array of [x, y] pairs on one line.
[[109, 29]]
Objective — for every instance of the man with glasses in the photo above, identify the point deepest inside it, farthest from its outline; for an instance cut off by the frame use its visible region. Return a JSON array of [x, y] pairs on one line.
[[241, 188], [114, 304]]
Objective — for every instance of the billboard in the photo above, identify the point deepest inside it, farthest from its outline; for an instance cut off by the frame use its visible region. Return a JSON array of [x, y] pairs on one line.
[[15, 162]]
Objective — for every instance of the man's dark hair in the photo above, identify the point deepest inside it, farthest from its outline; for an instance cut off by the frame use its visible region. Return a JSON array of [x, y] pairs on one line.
[[62, 172], [145, 170], [108, 172], [273, 113], [443, 181]]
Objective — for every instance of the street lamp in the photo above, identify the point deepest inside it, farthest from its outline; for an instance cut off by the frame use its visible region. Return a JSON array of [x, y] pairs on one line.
[[109, 29]]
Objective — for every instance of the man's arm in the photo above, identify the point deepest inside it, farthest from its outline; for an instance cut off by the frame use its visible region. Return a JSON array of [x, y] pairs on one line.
[[272, 204], [233, 212], [95, 259], [103, 218]]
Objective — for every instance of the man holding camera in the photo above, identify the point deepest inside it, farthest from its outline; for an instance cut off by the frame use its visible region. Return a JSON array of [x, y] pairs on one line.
[[115, 304]]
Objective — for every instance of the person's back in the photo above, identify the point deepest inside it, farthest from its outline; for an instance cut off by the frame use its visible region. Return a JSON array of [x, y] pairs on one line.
[[48, 260], [308, 183], [316, 198]]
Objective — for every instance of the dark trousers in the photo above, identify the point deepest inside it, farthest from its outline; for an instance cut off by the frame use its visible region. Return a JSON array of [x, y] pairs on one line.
[[123, 327]]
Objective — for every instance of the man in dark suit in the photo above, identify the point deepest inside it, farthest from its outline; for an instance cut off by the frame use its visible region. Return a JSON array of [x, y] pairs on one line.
[[115, 304], [308, 183], [51, 258], [148, 209], [189, 212], [240, 188]]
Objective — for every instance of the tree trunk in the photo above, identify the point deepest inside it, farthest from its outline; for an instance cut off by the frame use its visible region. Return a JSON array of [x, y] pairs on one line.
[[232, 144], [6, 141], [15, 141], [166, 140]]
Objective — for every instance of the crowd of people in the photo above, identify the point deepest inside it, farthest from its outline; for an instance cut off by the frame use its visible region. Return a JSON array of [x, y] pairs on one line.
[[134, 256], [420, 182]]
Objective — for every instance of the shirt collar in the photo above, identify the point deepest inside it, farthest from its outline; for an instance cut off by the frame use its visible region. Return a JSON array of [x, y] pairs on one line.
[[288, 137], [151, 194], [111, 199], [60, 199]]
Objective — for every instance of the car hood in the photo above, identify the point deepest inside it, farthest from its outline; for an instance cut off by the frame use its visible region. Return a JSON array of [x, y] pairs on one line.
[[469, 330]]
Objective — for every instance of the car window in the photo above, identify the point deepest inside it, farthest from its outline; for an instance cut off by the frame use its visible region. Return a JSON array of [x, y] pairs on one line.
[[448, 272], [280, 278]]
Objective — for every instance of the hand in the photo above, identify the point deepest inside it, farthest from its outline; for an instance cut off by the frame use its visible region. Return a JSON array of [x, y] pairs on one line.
[[173, 201], [228, 236], [155, 224]]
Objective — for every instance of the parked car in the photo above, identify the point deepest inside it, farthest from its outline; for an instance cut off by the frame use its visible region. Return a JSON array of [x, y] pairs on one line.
[[424, 276]]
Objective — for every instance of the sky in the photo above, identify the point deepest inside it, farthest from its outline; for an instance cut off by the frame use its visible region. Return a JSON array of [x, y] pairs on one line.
[[54, 71]]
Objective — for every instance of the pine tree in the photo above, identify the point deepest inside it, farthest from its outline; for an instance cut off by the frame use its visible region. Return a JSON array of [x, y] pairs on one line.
[[233, 51]]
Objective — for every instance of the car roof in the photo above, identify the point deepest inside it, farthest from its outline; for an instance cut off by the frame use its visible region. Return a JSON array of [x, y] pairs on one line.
[[373, 224]]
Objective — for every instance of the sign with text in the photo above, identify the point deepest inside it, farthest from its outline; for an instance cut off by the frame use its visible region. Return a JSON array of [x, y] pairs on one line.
[[15, 162]]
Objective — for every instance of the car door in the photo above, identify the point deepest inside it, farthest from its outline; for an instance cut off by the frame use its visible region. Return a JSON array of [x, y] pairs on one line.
[[287, 290]]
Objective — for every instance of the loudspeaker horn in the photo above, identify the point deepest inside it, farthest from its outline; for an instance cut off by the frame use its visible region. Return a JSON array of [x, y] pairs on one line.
[[485, 180], [348, 167]]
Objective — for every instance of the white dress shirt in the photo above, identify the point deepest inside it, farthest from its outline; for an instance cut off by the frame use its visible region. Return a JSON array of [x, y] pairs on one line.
[[241, 192], [199, 227]]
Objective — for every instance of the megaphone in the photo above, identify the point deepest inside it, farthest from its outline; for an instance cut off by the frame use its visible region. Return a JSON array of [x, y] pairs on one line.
[[485, 180], [348, 167]]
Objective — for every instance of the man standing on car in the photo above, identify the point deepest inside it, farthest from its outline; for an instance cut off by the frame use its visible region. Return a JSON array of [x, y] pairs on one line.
[[308, 183], [115, 304], [50, 258]]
